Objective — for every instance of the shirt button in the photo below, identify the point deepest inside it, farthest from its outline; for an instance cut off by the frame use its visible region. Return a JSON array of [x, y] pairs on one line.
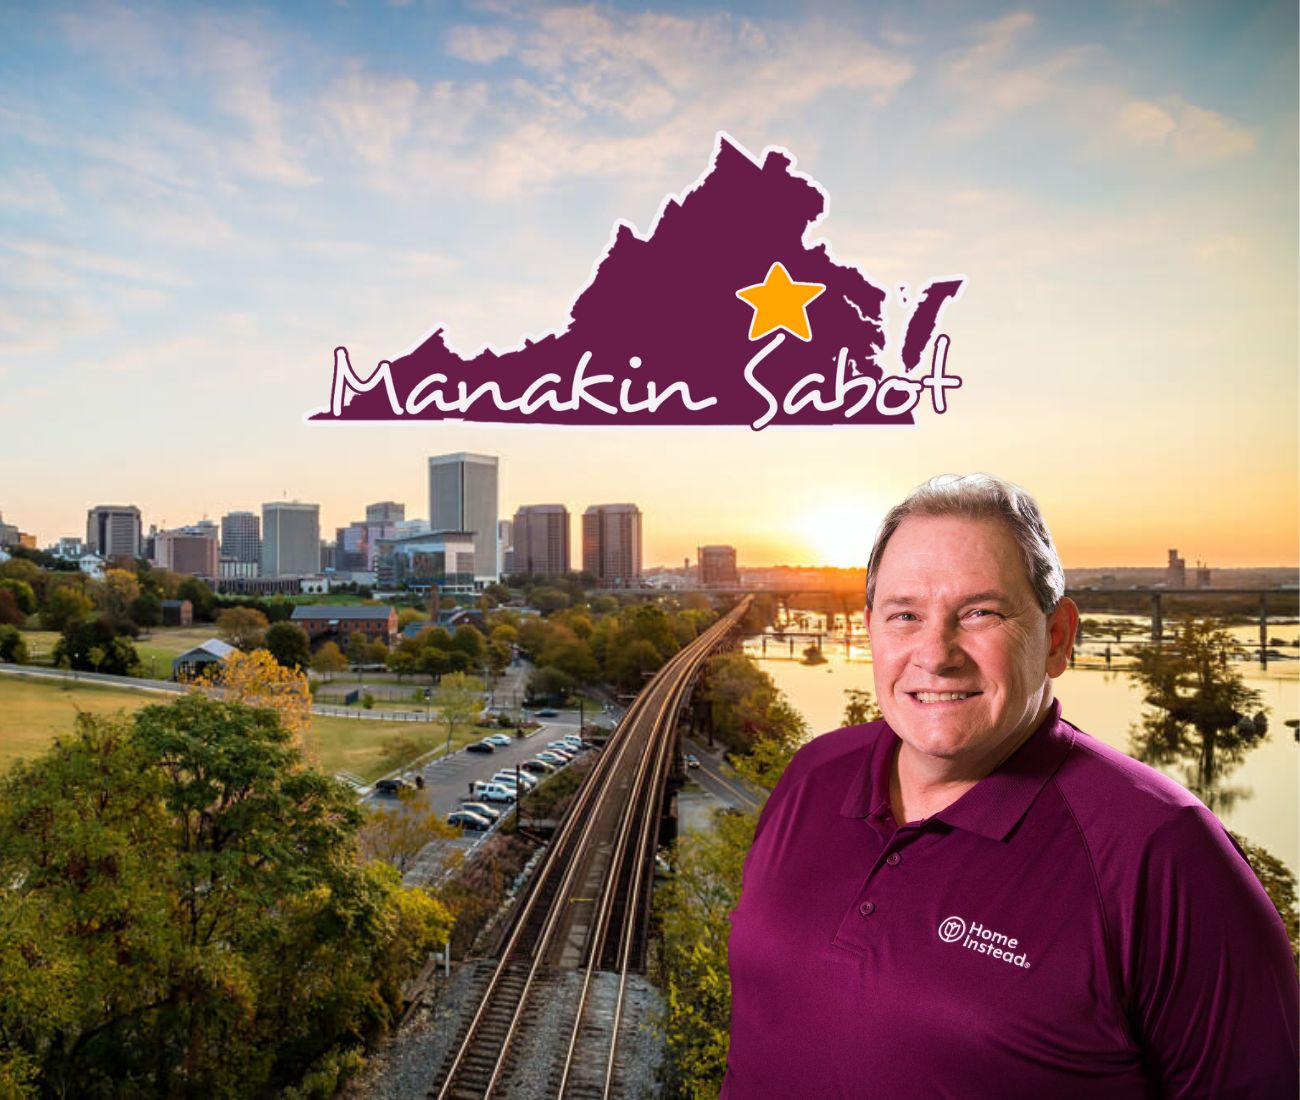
[[867, 908], [893, 859]]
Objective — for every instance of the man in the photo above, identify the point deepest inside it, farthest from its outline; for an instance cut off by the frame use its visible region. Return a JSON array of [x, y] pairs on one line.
[[975, 899]]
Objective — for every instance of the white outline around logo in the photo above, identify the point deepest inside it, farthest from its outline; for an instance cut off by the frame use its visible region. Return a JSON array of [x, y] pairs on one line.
[[952, 929]]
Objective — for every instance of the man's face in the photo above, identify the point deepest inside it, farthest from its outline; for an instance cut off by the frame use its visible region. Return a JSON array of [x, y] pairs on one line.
[[963, 655]]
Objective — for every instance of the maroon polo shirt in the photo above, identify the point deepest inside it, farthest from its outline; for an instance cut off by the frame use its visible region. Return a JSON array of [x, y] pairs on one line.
[[1075, 925]]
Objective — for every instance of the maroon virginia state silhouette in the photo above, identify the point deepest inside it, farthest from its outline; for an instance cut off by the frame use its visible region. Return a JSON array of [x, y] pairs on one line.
[[722, 314]]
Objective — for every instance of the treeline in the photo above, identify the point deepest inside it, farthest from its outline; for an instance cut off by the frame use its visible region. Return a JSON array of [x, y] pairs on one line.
[[184, 913]]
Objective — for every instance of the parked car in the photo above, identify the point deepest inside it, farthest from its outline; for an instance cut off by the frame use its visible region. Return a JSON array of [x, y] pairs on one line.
[[510, 776], [481, 746], [500, 740], [391, 786], [557, 758], [468, 820], [537, 767], [482, 809], [494, 792], [561, 746], [692, 761]]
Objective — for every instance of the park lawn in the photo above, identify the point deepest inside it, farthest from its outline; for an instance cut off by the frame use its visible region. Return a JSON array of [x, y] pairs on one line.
[[357, 746], [33, 712]]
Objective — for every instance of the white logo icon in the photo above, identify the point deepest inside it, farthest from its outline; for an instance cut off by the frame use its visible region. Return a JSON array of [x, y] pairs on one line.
[[951, 930]]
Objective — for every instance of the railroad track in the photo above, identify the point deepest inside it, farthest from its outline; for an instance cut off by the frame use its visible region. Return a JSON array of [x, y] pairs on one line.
[[585, 908]]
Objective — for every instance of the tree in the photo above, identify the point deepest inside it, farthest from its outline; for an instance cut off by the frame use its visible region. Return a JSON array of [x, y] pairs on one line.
[[202, 599], [409, 615], [91, 645], [257, 680], [242, 627], [23, 595], [10, 612], [116, 593], [1200, 705], [458, 702], [13, 647], [288, 644], [146, 609], [470, 642], [398, 835], [358, 648], [861, 707], [184, 914], [376, 653], [63, 605], [329, 659], [548, 685]]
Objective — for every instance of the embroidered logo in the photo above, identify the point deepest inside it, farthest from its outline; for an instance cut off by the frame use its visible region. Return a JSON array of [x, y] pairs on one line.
[[984, 941]]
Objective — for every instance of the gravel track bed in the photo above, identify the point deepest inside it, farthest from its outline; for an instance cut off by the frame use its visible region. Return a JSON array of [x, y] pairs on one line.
[[407, 1068]]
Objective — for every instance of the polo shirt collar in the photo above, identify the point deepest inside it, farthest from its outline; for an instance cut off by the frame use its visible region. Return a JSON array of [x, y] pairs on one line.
[[991, 808]]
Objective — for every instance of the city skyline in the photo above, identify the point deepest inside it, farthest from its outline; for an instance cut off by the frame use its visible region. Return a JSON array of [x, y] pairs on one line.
[[198, 204]]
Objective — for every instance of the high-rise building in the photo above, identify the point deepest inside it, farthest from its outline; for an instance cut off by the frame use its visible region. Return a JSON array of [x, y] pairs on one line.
[[290, 539], [113, 530], [506, 545], [190, 550], [8, 533], [611, 544], [1176, 571], [463, 497], [541, 540], [241, 537], [386, 511], [717, 565]]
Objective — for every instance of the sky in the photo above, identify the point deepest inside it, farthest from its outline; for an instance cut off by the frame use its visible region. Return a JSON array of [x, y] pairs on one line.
[[199, 202]]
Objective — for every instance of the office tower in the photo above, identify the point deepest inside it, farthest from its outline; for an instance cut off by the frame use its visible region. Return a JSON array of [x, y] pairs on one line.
[[463, 497], [290, 539], [611, 544], [8, 533], [113, 530], [541, 540], [190, 550], [717, 564], [386, 511], [241, 537], [506, 545]]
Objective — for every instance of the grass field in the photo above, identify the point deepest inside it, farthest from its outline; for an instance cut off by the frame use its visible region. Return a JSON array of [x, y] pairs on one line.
[[34, 712]]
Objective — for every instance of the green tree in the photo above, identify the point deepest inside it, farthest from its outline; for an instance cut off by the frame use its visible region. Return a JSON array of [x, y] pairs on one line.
[[288, 644], [13, 647], [90, 645], [470, 642], [398, 835], [358, 648], [202, 599], [146, 609], [1199, 705], [548, 685], [115, 594], [328, 660], [63, 605], [242, 627], [458, 702]]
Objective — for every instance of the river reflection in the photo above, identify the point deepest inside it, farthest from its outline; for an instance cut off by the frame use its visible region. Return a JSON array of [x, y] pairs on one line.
[[1250, 782]]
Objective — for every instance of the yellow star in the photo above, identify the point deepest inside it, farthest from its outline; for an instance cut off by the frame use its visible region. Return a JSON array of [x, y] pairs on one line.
[[779, 302]]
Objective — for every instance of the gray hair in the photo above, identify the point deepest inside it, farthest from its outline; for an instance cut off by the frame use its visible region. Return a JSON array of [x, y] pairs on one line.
[[982, 496]]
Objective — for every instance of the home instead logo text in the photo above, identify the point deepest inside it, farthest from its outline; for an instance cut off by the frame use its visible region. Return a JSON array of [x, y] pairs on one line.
[[723, 314], [984, 941]]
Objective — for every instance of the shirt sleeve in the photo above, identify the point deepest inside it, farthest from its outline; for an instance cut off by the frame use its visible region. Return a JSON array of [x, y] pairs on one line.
[[1214, 989]]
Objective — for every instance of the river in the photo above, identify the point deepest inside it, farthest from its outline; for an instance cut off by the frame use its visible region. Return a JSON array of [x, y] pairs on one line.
[[1258, 797]]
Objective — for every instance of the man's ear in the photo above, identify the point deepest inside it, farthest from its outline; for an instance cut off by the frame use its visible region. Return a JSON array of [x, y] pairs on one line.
[[1061, 626]]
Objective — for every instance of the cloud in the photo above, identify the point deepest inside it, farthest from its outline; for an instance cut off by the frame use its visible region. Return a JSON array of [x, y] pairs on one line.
[[31, 191], [91, 260], [1193, 134], [481, 45]]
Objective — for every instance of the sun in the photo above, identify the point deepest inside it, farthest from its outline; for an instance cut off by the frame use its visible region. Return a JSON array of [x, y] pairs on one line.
[[839, 536]]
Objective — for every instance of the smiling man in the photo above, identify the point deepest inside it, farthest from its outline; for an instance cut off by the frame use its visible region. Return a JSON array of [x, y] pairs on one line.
[[973, 898]]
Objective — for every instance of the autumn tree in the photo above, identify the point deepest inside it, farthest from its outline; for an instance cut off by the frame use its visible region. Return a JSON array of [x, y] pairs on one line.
[[257, 680], [24, 596], [397, 835], [242, 627], [10, 613], [358, 648], [115, 594], [328, 660]]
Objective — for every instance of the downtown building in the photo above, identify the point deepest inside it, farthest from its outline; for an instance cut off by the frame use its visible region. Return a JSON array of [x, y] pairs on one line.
[[611, 544], [241, 537], [540, 534], [290, 539], [463, 498], [113, 530], [192, 550], [717, 565]]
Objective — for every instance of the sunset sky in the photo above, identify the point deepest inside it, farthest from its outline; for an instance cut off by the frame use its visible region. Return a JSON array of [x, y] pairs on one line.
[[198, 202]]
